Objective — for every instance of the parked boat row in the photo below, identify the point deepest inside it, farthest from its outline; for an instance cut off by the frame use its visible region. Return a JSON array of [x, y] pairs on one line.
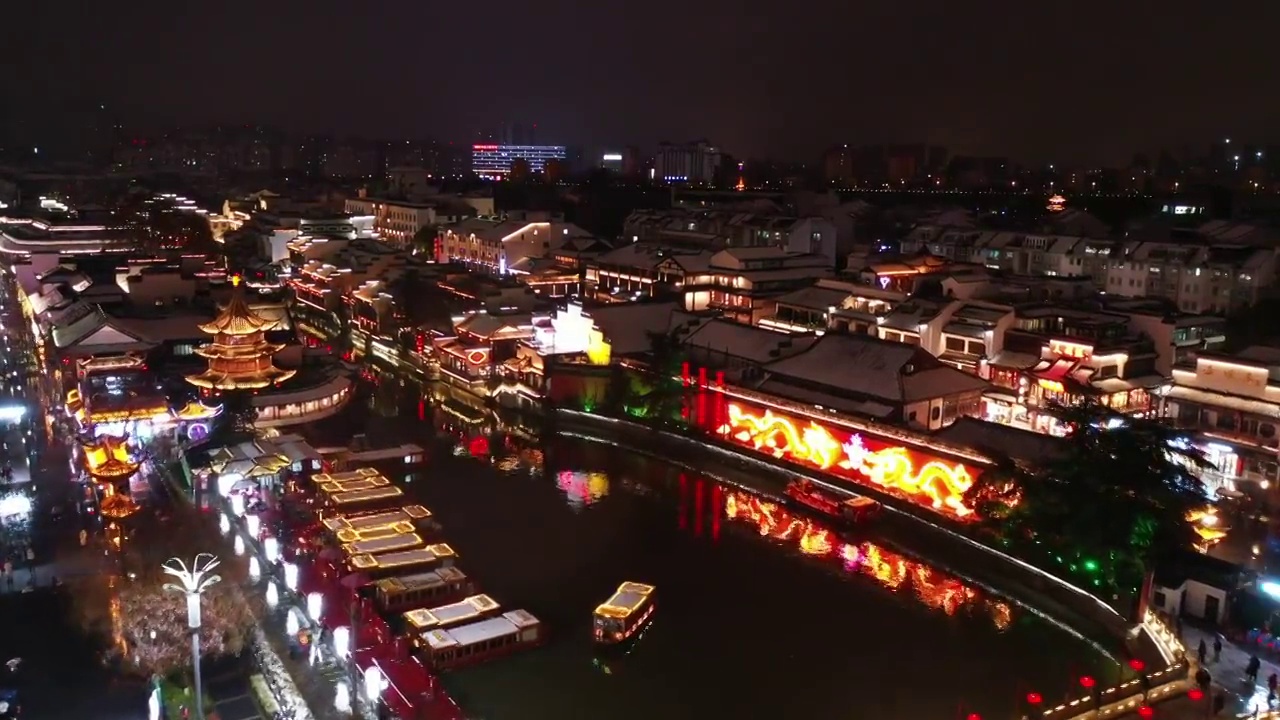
[[398, 552]]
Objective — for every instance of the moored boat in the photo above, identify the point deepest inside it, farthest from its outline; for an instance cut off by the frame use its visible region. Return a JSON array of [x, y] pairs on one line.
[[624, 614], [813, 497], [479, 641], [406, 592]]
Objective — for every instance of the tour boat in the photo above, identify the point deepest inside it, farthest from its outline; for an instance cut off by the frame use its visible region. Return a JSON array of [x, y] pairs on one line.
[[406, 592], [416, 517], [479, 641], [476, 607], [807, 494], [624, 614], [391, 564]]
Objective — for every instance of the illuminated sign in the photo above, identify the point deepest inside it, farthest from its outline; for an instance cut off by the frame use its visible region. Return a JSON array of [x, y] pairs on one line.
[[1052, 386], [197, 431], [612, 157], [912, 475], [484, 148], [1065, 348], [477, 357]]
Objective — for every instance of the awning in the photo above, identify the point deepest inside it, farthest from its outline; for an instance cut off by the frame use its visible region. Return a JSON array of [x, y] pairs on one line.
[[1056, 376]]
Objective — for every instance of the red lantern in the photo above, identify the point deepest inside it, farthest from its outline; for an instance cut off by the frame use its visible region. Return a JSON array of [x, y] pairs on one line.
[[1196, 694], [973, 716], [1137, 665], [1034, 698], [1087, 682], [1145, 712]]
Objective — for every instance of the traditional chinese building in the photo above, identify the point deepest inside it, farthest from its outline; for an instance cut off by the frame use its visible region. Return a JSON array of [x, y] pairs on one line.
[[1230, 406], [108, 462], [240, 358]]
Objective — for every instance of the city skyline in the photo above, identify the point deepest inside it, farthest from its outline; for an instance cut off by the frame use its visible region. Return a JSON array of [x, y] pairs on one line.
[[939, 75]]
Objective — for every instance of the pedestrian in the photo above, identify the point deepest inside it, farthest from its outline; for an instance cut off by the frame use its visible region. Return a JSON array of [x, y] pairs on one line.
[[84, 537], [1271, 687], [1203, 679], [1217, 648], [1202, 651], [1251, 670]]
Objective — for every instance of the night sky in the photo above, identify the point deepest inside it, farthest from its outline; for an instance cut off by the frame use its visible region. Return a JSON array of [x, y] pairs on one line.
[[1043, 81]]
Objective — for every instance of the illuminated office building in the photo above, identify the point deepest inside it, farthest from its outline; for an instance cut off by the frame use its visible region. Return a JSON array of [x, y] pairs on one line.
[[494, 161]]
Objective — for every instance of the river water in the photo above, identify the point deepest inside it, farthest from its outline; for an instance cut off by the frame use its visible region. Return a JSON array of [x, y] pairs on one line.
[[762, 614]]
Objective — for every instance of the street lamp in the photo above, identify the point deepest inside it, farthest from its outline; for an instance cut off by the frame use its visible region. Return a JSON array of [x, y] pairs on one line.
[[192, 582]]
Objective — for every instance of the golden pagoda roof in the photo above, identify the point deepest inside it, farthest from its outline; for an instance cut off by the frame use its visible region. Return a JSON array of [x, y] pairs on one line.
[[198, 411], [216, 350], [217, 380], [108, 458], [237, 318]]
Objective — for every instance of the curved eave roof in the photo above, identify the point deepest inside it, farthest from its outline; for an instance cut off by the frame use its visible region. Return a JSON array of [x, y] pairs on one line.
[[222, 381]]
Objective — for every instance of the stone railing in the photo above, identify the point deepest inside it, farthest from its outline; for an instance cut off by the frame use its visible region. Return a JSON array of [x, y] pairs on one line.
[[1175, 678]]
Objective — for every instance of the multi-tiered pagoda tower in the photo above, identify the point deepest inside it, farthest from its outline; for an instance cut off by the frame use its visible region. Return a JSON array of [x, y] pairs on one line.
[[109, 463], [240, 358]]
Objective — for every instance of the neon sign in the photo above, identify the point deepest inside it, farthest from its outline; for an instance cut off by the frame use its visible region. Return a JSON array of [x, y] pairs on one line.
[[891, 570], [933, 483]]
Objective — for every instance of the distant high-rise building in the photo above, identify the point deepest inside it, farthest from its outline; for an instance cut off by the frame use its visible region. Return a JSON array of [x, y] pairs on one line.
[[695, 162], [495, 161]]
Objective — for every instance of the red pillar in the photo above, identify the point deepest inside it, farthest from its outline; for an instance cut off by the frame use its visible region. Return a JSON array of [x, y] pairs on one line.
[[685, 382], [701, 420], [722, 413]]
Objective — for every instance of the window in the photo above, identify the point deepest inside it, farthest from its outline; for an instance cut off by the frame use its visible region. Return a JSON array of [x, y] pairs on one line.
[[955, 344]]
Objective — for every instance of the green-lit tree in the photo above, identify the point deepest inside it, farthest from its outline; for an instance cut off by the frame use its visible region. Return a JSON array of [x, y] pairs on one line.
[[1110, 507], [665, 395]]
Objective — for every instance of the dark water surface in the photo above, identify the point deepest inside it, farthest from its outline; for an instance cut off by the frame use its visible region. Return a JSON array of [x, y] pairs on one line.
[[762, 614]]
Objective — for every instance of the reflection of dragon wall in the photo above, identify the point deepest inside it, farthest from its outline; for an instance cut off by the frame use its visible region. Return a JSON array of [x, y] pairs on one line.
[[891, 570], [936, 483]]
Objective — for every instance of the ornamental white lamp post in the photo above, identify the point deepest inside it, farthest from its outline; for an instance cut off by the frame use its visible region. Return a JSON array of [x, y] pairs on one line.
[[192, 582]]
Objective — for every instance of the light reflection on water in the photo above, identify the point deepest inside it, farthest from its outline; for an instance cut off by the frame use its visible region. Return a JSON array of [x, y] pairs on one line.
[[928, 586], [898, 573], [582, 488], [555, 533]]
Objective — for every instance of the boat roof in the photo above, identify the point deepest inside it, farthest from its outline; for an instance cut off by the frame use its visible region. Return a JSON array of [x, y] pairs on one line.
[[478, 632], [474, 606], [347, 498], [358, 473], [418, 581], [342, 486], [625, 600], [386, 543], [347, 536], [371, 521], [431, 553]]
